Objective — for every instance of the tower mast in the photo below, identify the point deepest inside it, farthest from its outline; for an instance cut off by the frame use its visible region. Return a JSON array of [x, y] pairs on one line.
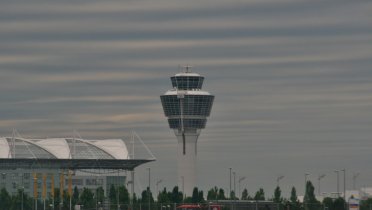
[[187, 107]]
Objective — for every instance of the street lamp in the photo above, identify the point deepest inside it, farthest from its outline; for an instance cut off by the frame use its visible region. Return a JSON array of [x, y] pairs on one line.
[[278, 179], [183, 188], [338, 189], [319, 178], [344, 170], [240, 180], [157, 183], [23, 189], [148, 193], [355, 176], [35, 190], [230, 184], [234, 185]]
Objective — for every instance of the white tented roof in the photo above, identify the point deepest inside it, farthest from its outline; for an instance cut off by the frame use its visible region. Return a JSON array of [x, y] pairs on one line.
[[114, 147], [4, 148], [62, 148], [57, 147]]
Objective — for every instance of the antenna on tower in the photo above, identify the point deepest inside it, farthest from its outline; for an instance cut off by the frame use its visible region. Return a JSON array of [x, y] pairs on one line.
[[187, 68]]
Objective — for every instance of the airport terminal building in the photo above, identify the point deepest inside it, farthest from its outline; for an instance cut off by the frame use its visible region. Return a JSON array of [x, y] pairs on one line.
[[41, 165]]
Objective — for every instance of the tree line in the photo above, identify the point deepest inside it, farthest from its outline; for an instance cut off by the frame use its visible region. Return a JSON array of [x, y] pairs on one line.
[[92, 199]]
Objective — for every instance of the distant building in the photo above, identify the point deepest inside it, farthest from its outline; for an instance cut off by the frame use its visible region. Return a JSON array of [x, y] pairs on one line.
[[365, 193], [37, 165], [23, 179]]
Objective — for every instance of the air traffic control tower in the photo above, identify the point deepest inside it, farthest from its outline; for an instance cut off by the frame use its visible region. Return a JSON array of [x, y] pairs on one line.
[[187, 107]]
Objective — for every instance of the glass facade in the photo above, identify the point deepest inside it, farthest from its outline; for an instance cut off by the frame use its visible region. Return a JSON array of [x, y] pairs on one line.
[[187, 82], [193, 105], [187, 123], [14, 183], [24, 149], [86, 151]]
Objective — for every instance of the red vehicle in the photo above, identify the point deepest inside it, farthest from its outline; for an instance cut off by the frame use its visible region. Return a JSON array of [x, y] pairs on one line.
[[199, 207]]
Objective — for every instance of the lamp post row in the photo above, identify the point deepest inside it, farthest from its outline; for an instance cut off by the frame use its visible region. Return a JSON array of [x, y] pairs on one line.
[[320, 177], [233, 188]]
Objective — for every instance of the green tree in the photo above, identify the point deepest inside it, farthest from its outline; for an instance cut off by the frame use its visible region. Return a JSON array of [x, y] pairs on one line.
[[75, 196], [245, 194], [16, 201], [221, 194], [135, 199], [176, 196], [5, 200], [87, 198], [339, 204], [201, 196], [328, 203], [58, 201], [163, 196], [293, 197], [232, 195], [146, 194], [294, 203], [123, 195], [57, 198], [188, 199], [260, 195], [66, 200], [112, 197], [277, 195], [27, 201], [366, 204], [310, 202], [195, 195], [212, 194]]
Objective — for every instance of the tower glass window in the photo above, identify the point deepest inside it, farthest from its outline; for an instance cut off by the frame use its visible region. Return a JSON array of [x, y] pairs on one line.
[[187, 82]]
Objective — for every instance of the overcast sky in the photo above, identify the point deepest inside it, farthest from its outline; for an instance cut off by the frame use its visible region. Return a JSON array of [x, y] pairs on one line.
[[292, 80]]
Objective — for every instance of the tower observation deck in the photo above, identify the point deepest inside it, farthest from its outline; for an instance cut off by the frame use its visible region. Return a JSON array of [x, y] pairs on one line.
[[187, 107]]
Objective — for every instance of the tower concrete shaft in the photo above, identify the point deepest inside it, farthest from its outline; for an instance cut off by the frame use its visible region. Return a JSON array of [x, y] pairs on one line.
[[187, 161], [187, 107]]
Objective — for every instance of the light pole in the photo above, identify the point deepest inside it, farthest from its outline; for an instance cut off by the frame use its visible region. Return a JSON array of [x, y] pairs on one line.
[[319, 178], [278, 179], [344, 170], [230, 185], [157, 183], [338, 187], [240, 180], [183, 188], [234, 185], [23, 189], [355, 176], [149, 187], [118, 193]]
